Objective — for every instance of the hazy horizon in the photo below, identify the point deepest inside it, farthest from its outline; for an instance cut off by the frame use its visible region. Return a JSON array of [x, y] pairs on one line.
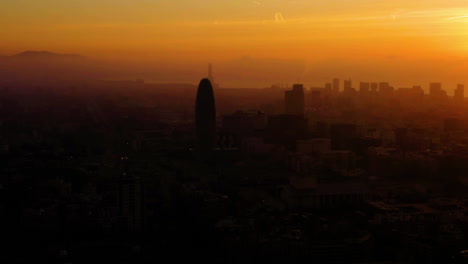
[[254, 72], [251, 43]]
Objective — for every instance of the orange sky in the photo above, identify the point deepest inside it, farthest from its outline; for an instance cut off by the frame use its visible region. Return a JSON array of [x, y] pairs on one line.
[[345, 38]]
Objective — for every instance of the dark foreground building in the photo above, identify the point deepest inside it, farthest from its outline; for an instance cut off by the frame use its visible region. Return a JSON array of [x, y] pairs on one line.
[[205, 117]]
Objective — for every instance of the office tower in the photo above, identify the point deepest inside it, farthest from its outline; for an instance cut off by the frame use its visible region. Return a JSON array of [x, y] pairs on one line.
[[436, 93], [364, 87], [336, 85], [435, 89], [294, 100], [205, 116], [348, 89], [342, 136], [286, 129], [383, 85], [131, 201], [459, 92], [385, 90], [244, 123], [315, 98], [347, 85]]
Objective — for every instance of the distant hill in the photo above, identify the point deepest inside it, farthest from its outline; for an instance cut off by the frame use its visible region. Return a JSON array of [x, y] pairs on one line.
[[45, 55], [44, 68]]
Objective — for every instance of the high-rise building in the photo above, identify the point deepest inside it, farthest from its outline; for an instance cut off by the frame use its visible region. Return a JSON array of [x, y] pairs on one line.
[[131, 201], [459, 92], [315, 98], [364, 87], [342, 135], [294, 100], [347, 85], [336, 85], [130, 197], [348, 88], [244, 123], [435, 89], [436, 93], [205, 116], [385, 90], [286, 129]]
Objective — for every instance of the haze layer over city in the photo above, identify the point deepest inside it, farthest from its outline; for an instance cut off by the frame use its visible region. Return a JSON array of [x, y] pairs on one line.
[[252, 43]]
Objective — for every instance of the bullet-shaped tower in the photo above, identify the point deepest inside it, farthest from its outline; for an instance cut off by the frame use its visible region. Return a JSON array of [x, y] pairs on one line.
[[205, 116]]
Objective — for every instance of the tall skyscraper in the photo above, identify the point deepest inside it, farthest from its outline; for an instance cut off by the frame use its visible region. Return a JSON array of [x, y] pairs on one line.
[[205, 116], [336, 85], [347, 84], [364, 87], [435, 89], [436, 93], [459, 92], [131, 201], [294, 100], [348, 88], [385, 90]]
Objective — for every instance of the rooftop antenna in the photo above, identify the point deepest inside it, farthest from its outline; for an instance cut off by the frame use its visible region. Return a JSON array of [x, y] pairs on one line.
[[210, 72]]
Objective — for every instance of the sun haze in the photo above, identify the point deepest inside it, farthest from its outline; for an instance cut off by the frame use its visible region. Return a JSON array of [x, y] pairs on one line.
[[401, 39]]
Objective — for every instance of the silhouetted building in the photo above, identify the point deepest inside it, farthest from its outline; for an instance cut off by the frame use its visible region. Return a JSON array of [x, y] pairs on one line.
[[364, 87], [410, 95], [436, 94], [348, 87], [131, 202], [459, 92], [244, 123], [342, 136], [294, 100], [336, 85], [315, 99], [435, 89], [452, 124], [364, 90], [316, 145], [205, 116], [385, 90], [286, 129]]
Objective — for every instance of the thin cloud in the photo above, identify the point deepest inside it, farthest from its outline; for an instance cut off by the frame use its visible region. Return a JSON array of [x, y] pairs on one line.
[[279, 18], [457, 17], [443, 13], [402, 16]]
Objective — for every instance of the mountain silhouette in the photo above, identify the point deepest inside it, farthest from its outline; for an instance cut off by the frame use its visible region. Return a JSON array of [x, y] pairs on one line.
[[31, 68], [44, 55]]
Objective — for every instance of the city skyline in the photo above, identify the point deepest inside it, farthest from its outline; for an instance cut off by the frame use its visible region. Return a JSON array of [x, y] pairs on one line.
[[235, 131]]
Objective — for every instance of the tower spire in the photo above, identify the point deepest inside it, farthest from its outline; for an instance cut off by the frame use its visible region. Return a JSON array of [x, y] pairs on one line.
[[210, 73]]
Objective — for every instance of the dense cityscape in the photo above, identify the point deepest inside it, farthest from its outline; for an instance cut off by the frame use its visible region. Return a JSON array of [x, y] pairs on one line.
[[134, 172]]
